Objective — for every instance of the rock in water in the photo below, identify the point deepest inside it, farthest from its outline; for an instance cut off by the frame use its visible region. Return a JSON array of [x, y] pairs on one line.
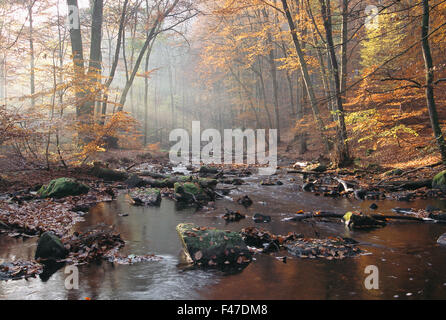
[[214, 248], [362, 221], [146, 197], [191, 192], [329, 249], [245, 201], [50, 247], [63, 187], [439, 181], [442, 240]]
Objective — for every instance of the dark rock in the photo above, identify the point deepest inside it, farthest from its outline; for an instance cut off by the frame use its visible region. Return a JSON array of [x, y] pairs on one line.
[[260, 218], [63, 187], [360, 194], [308, 187], [50, 247], [214, 248], [233, 216], [208, 170], [245, 201]]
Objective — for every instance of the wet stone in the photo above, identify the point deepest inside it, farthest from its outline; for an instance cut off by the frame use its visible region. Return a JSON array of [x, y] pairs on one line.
[[328, 249], [146, 197], [212, 248]]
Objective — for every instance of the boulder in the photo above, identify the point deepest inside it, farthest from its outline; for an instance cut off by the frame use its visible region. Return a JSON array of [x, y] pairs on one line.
[[214, 248], [50, 247], [191, 192], [146, 197], [439, 181], [442, 240], [63, 187]]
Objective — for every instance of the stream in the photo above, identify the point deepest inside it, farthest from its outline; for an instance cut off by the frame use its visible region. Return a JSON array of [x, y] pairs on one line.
[[411, 264]]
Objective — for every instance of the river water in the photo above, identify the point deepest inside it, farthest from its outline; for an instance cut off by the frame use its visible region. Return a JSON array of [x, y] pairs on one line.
[[411, 265]]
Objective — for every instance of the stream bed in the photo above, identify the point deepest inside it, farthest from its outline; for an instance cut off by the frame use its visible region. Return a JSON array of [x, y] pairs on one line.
[[411, 264]]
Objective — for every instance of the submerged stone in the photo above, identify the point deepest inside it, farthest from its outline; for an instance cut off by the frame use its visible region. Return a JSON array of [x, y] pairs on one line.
[[63, 187], [50, 247], [214, 248]]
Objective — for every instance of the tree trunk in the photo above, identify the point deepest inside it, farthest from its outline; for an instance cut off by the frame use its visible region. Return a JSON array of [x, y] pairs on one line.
[[429, 67], [305, 74], [343, 156]]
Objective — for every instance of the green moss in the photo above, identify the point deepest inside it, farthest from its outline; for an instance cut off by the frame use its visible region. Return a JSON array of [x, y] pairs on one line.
[[63, 187], [219, 247], [439, 181]]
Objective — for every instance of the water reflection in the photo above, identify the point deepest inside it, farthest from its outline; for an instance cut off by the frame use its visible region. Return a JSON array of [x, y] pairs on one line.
[[406, 253]]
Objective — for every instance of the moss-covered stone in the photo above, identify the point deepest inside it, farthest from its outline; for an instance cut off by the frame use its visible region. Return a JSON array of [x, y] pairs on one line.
[[214, 248], [50, 247], [190, 192], [439, 181], [63, 187], [146, 197]]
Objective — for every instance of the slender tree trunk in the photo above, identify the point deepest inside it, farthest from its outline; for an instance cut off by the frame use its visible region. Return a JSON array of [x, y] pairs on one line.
[[305, 74], [31, 47], [343, 152], [429, 67]]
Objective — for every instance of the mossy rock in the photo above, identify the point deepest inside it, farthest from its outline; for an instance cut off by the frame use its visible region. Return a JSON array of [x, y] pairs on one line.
[[146, 197], [50, 247], [63, 187], [439, 181], [190, 192], [214, 248]]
